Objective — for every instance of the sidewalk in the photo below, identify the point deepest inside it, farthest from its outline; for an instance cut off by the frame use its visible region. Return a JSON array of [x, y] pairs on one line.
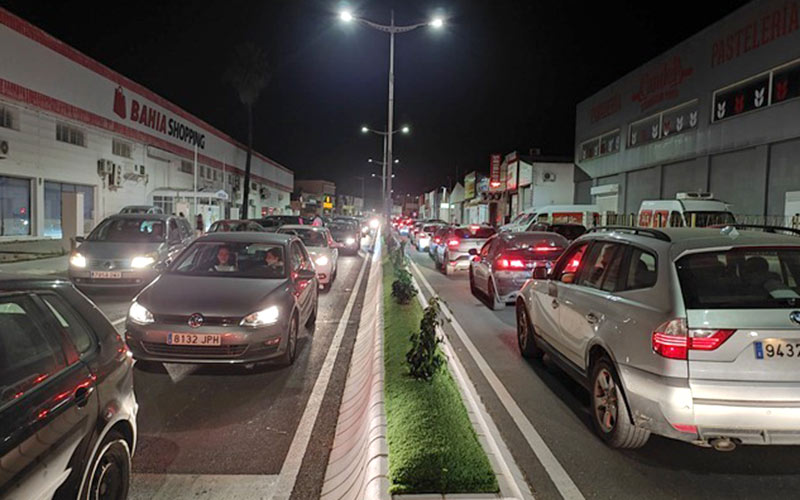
[[40, 267], [21, 250]]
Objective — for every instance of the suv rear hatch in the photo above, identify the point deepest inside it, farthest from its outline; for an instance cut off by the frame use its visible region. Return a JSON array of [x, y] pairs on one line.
[[743, 319], [462, 239]]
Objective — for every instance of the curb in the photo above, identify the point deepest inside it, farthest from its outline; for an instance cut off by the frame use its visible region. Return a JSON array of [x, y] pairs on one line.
[[359, 460]]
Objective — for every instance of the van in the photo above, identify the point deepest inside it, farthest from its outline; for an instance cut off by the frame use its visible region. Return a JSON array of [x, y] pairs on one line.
[[686, 210], [585, 215]]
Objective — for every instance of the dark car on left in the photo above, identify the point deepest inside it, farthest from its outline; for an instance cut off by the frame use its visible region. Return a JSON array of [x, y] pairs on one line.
[[230, 298], [347, 234], [67, 406]]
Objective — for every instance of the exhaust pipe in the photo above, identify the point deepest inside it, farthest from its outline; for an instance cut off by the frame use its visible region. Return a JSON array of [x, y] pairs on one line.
[[723, 444]]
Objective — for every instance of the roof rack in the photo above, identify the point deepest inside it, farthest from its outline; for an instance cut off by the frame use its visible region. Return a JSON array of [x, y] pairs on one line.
[[639, 231], [765, 228]]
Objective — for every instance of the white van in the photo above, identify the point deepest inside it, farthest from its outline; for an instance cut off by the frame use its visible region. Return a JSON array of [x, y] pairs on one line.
[[586, 215], [686, 210]]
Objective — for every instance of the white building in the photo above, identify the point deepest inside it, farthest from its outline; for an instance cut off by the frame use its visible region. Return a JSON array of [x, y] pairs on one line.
[[68, 123]]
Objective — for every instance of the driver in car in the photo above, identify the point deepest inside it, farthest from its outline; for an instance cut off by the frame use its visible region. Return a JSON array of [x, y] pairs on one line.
[[223, 263], [274, 260]]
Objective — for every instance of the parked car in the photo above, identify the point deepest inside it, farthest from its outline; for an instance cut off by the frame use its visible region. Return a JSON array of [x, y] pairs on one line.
[[507, 260], [67, 406], [686, 210], [127, 251], [690, 334], [347, 234], [271, 223], [452, 253], [235, 225], [425, 235], [436, 240], [141, 209], [324, 251], [229, 298], [568, 231]]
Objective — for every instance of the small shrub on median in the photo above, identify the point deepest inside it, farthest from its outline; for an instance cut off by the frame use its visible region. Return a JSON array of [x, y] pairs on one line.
[[424, 359], [398, 257], [403, 289]]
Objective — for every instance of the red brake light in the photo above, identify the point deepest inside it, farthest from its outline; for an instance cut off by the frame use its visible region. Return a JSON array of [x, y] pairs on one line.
[[543, 248], [437, 240], [453, 243], [674, 340], [509, 263]]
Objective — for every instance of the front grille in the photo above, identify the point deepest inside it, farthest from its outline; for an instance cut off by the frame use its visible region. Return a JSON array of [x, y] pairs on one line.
[[108, 264], [193, 350], [174, 319]]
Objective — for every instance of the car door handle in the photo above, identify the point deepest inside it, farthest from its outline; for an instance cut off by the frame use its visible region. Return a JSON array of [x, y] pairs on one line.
[[82, 395], [554, 304], [592, 318]]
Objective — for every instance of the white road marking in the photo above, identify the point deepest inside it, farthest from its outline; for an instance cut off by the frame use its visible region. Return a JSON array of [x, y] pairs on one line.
[[200, 486], [563, 482], [297, 451]]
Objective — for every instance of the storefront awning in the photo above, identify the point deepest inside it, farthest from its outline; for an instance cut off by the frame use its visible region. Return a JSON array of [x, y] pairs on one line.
[[184, 193]]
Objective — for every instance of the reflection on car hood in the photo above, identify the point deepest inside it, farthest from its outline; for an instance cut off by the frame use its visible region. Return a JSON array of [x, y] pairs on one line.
[[174, 294], [317, 251], [115, 249], [340, 235]]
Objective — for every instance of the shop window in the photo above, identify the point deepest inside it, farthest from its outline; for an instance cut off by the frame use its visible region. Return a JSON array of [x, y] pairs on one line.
[[15, 206], [70, 135], [187, 167], [9, 118], [749, 95], [644, 131], [605, 144], [165, 203], [122, 148], [52, 206], [786, 83], [679, 119]]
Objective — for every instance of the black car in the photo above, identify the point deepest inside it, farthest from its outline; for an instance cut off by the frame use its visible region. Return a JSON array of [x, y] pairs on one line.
[[347, 234], [271, 223], [67, 407]]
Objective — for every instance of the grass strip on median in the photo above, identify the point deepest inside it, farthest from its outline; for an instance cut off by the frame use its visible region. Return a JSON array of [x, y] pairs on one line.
[[433, 447]]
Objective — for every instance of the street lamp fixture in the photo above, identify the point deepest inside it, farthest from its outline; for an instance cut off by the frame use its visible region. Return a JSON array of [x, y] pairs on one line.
[[364, 129], [405, 129], [346, 16], [437, 22]]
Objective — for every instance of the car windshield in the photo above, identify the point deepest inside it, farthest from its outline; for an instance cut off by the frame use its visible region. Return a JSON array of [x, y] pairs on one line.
[[478, 232], [341, 227], [129, 230], [569, 231], [311, 237], [228, 225], [232, 259], [705, 219], [742, 278]]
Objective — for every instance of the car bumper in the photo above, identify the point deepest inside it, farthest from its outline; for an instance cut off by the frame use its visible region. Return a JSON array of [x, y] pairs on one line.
[[423, 243], [458, 261], [660, 403], [508, 284], [239, 345], [324, 274], [129, 278]]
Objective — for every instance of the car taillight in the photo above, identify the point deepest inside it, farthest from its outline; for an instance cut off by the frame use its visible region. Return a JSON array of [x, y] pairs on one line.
[[674, 340], [437, 240], [505, 263], [453, 243], [546, 249]]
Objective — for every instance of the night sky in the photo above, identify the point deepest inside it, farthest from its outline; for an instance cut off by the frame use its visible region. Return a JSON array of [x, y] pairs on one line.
[[502, 75]]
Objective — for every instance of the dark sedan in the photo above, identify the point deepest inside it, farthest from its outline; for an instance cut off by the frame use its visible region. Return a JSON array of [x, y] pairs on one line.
[[347, 234], [67, 406], [228, 298]]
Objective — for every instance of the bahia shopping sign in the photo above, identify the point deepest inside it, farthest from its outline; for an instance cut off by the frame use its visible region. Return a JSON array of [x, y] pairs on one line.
[[154, 119]]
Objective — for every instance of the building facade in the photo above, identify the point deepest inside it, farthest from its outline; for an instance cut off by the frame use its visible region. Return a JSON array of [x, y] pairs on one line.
[[68, 123], [317, 197], [718, 113]]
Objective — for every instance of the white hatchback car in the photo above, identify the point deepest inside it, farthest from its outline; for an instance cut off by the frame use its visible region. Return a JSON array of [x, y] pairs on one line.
[[323, 249]]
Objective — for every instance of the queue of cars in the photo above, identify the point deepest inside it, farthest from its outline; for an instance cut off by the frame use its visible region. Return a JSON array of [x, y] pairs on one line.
[[687, 333]]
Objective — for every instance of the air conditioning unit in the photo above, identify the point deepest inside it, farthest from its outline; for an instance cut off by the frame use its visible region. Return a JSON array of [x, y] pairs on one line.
[[694, 195], [134, 171], [3, 149], [549, 177], [104, 167], [264, 192], [115, 177], [237, 182]]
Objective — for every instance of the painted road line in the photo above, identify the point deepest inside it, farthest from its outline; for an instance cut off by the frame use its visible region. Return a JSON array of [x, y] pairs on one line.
[[200, 486], [297, 450], [509, 475], [561, 479]]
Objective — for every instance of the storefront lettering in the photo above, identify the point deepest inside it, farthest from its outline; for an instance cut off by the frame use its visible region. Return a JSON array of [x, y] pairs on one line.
[[757, 32], [156, 120], [662, 83], [605, 108]]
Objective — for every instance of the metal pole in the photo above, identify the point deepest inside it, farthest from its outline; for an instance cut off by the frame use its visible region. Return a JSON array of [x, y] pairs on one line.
[[195, 180], [389, 128], [383, 171]]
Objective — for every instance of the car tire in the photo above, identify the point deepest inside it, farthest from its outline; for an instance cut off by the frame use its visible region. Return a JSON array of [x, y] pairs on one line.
[[494, 303], [472, 287], [526, 338], [108, 474], [287, 358], [446, 266], [609, 409], [312, 318]]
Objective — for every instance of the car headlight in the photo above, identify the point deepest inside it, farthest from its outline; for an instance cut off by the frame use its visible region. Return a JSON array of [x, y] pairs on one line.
[[365, 229], [141, 261], [139, 314], [77, 260], [264, 317], [322, 260], [374, 223], [349, 241]]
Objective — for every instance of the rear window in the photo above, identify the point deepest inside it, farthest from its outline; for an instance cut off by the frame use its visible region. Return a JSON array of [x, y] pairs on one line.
[[477, 232], [742, 278], [705, 219]]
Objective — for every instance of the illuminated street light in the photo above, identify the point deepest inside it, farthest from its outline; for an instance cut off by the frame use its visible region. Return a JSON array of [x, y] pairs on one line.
[[405, 129], [436, 23], [346, 16], [364, 129]]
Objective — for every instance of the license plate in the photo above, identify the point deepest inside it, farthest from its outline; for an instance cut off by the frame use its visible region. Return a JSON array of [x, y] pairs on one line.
[[106, 275], [201, 339], [777, 349]]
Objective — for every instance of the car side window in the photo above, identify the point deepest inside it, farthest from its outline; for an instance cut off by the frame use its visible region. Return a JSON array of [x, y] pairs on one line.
[[305, 258], [642, 270], [487, 247], [28, 354], [297, 257], [174, 232], [70, 321], [602, 266], [570, 262], [186, 229]]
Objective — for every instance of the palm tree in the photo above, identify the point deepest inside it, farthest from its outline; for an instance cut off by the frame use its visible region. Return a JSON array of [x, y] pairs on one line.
[[248, 73]]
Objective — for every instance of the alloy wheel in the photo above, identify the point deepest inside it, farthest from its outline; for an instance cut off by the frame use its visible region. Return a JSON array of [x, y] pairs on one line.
[[605, 398], [522, 329]]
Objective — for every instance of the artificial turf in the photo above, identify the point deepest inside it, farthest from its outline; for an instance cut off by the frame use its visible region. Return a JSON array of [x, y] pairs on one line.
[[432, 445]]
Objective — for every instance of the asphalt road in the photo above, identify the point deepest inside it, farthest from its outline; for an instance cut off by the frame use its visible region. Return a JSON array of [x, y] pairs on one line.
[[557, 408], [219, 425]]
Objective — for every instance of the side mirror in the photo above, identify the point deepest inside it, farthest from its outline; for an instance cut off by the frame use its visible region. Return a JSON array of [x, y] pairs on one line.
[[540, 273], [80, 239], [473, 251], [305, 274], [568, 278]]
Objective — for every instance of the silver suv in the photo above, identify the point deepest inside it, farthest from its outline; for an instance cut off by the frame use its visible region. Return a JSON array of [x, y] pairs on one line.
[[692, 334]]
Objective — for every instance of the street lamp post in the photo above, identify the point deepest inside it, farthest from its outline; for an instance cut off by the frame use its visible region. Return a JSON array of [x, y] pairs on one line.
[[405, 130], [392, 30]]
